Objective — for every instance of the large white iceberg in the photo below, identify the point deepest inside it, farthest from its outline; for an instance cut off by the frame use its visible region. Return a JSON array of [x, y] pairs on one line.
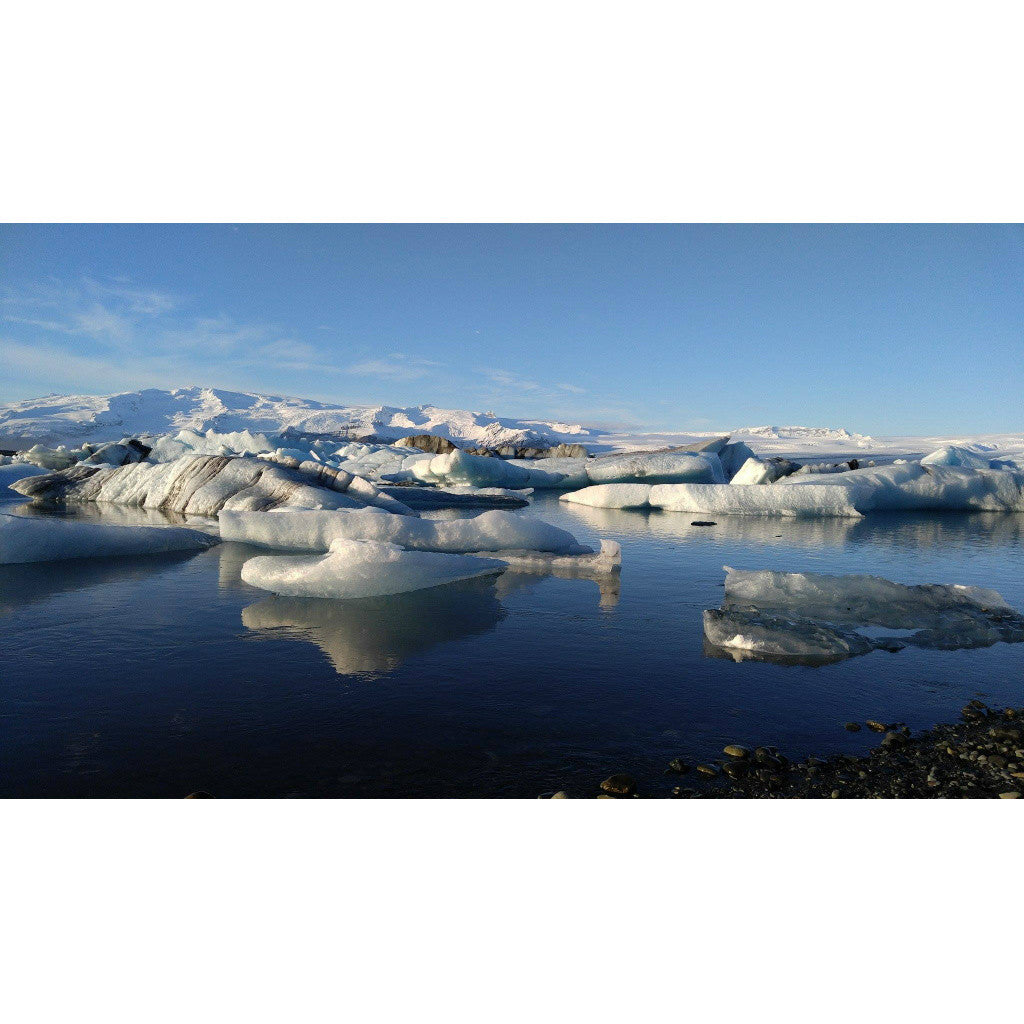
[[909, 487], [207, 484], [318, 530], [720, 499], [913, 487], [50, 539], [363, 568]]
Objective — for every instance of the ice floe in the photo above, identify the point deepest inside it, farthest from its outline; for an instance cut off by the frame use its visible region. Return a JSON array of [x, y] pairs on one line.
[[720, 499], [909, 487], [363, 568], [50, 539], [206, 484], [495, 530], [810, 615]]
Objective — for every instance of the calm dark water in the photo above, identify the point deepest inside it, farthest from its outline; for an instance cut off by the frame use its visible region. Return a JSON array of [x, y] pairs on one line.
[[159, 676]]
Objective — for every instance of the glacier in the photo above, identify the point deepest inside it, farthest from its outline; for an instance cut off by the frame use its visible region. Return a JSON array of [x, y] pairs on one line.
[[50, 539], [363, 568]]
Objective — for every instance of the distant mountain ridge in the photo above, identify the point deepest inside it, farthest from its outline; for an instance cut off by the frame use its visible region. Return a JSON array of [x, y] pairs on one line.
[[74, 419]]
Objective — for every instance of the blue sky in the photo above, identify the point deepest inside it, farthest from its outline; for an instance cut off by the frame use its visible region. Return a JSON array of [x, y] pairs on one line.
[[880, 329]]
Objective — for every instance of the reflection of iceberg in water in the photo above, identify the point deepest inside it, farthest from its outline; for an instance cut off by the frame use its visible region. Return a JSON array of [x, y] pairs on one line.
[[30, 582], [375, 635], [609, 585], [118, 515], [906, 530]]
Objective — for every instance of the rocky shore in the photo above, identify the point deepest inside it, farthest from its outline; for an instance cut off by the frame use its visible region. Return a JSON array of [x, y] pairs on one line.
[[981, 756]]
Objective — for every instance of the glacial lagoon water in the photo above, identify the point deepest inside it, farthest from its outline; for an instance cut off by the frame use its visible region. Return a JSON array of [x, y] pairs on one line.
[[162, 675]]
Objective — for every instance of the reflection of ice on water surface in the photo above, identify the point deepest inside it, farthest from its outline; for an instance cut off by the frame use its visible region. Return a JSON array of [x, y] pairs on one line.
[[375, 635]]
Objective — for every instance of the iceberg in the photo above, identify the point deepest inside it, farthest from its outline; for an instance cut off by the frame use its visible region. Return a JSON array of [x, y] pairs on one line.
[[721, 499], [914, 487], [206, 484], [770, 637], [496, 530], [657, 467], [51, 539], [809, 615], [363, 568]]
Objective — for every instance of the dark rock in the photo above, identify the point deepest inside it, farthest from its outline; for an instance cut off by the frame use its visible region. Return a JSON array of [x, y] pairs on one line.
[[735, 750], [852, 726], [427, 443], [678, 765], [619, 785], [707, 769], [875, 726], [200, 794], [703, 522]]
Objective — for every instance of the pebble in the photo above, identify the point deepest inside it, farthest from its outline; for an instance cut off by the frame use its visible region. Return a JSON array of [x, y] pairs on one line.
[[1011, 795], [677, 764], [560, 795], [852, 726], [200, 794], [707, 769], [875, 726], [735, 750]]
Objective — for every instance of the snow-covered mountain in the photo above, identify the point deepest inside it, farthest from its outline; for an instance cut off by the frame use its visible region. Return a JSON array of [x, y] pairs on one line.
[[74, 419]]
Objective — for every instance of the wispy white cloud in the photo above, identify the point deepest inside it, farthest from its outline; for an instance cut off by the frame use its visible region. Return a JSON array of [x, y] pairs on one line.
[[395, 366]]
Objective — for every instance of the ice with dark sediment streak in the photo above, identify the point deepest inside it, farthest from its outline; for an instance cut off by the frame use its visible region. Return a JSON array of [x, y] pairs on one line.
[[786, 615], [208, 484], [50, 539], [363, 568]]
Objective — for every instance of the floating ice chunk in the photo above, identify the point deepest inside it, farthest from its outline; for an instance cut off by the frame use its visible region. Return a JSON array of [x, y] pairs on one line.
[[611, 496], [206, 484], [914, 487], [316, 531], [363, 568], [721, 499], [782, 638], [49, 539], [777, 614], [657, 467], [458, 467], [862, 600]]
